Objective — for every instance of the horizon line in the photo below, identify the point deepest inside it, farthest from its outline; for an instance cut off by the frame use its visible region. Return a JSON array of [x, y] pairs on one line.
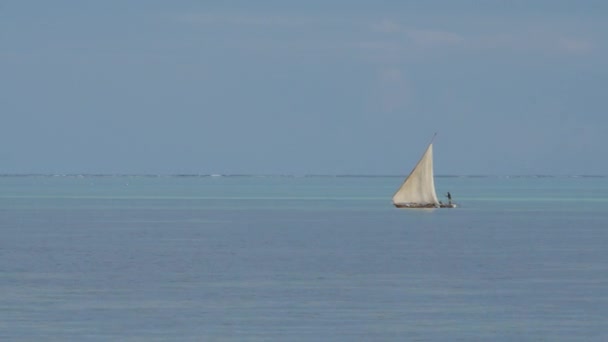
[[202, 175]]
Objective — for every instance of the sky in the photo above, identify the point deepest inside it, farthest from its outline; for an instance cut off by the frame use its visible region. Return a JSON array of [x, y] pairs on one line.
[[303, 87]]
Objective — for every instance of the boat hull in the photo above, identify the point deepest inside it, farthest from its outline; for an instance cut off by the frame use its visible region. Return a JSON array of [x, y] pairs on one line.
[[424, 206]]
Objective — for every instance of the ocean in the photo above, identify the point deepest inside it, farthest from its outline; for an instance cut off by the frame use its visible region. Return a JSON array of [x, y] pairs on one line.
[[315, 258]]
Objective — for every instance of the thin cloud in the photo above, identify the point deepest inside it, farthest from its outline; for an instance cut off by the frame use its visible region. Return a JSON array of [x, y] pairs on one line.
[[391, 75], [424, 37], [394, 91], [396, 37], [390, 38], [534, 41], [434, 38], [574, 45], [386, 46], [387, 26], [243, 19]]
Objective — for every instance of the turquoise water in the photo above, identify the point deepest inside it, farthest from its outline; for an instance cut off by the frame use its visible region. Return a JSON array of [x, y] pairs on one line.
[[301, 258]]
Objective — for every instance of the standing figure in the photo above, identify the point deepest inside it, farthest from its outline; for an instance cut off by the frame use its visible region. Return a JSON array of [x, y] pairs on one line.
[[449, 196]]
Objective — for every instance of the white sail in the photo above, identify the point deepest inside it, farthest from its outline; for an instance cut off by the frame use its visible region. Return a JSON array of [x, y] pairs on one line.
[[418, 189]]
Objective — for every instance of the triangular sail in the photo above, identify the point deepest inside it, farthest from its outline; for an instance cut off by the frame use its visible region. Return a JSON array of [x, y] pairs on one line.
[[418, 189]]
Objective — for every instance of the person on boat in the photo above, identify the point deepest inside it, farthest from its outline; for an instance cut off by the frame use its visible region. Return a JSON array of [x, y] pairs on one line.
[[449, 196]]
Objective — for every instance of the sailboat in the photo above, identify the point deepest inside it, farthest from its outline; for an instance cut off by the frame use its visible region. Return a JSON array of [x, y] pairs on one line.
[[418, 189]]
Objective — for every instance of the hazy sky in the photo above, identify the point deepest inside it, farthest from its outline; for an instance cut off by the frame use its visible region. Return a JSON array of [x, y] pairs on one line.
[[303, 87]]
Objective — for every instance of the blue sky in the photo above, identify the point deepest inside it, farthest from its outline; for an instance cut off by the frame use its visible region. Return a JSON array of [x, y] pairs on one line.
[[307, 87]]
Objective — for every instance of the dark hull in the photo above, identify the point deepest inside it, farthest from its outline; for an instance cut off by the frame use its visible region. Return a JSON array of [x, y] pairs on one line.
[[425, 206]]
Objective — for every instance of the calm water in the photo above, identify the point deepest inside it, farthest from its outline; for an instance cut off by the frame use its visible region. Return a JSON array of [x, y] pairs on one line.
[[301, 259]]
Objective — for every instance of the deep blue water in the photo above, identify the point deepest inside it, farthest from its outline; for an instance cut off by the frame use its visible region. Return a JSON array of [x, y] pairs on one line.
[[301, 259]]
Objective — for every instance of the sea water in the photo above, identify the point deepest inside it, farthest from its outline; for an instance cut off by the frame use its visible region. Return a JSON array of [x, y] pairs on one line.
[[243, 258]]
